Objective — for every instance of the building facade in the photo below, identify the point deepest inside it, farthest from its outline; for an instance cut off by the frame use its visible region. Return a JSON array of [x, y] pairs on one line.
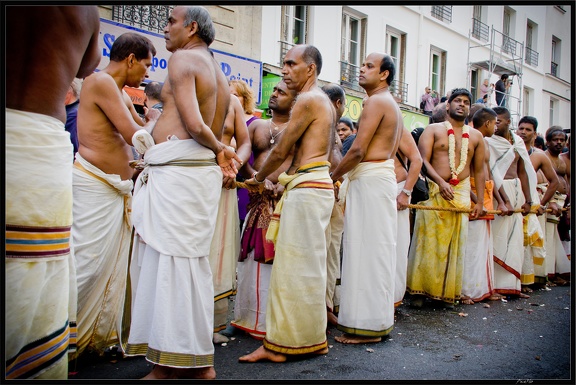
[[443, 47]]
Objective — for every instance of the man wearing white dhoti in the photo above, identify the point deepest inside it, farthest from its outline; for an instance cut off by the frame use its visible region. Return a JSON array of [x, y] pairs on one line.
[[40, 299], [102, 188], [513, 176], [175, 205], [369, 243]]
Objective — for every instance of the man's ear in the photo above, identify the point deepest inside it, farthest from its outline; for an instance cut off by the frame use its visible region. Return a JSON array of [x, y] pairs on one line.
[[312, 69], [193, 28], [131, 59], [384, 75]]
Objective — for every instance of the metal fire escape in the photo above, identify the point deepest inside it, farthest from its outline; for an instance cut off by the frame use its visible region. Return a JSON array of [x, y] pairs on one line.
[[503, 55]]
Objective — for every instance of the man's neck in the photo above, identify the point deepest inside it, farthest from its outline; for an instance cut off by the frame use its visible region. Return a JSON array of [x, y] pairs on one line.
[[280, 118], [382, 87], [118, 72], [456, 123], [309, 85], [552, 153]]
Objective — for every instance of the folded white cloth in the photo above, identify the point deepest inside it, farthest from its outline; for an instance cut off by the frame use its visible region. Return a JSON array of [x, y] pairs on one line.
[[142, 141]]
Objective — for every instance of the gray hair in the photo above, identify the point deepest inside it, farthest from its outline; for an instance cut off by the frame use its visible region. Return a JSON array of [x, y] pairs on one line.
[[201, 16], [76, 86]]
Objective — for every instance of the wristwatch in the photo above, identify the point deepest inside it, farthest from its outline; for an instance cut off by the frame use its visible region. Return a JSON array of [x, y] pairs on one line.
[[407, 192]]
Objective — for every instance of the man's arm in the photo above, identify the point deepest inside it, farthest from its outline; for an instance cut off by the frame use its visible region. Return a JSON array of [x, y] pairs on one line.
[[409, 148], [426, 147], [541, 162], [372, 116], [90, 21], [243, 145], [132, 110], [525, 183], [479, 177]]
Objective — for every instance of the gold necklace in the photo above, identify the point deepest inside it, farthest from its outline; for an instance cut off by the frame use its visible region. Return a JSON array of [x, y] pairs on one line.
[[273, 137]]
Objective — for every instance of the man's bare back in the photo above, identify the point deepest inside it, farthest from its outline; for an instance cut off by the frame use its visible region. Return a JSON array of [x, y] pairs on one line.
[[193, 69], [42, 88]]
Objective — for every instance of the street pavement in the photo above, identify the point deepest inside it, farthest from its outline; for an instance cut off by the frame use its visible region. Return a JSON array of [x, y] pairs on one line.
[[519, 340]]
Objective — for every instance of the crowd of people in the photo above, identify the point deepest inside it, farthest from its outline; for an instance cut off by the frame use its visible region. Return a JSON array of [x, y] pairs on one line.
[[142, 240]]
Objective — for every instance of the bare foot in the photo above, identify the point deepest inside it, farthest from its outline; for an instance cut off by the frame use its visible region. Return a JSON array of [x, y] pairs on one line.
[[522, 295], [496, 297], [332, 319], [323, 351], [354, 339], [262, 354], [159, 372], [467, 301], [526, 289]]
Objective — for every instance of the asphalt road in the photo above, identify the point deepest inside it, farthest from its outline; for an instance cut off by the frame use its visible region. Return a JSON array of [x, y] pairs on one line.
[[520, 340]]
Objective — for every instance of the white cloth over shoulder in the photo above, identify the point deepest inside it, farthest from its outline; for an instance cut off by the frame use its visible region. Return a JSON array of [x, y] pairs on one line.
[[176, 198]]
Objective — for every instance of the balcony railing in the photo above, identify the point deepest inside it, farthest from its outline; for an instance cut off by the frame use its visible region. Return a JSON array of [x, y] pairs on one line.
[[442, 12], [284, 48], [554, 69], [400, 90], [531, 57], [480, 30], [150, 17], [349, 75]]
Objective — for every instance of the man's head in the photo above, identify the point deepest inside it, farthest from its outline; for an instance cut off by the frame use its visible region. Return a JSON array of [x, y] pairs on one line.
[[244, 94], [502, 120], [555, 139], [504, 77], [439, 113], [186, 22], [527, 129], [282, 98], [74, 91], [337, 97], [486, 82], [484, 121], [345, 128], [152, 94], [427, 89], [540, 143], [473, 108], [136, 52], [376, 69], [458, 104], [301, 63]]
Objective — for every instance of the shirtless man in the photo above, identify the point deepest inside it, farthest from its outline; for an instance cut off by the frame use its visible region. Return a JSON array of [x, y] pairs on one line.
[[558, 265], [369, 244], [256, 253], [299, 269], [175, 207], [450, 150], [107, 127], [41, 285], [338, 98], [225, 244], [406, 178], [547, 184], [513, 177]]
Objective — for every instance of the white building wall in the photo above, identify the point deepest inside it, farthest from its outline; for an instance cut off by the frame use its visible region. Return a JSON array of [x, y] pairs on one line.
[[424, 31]]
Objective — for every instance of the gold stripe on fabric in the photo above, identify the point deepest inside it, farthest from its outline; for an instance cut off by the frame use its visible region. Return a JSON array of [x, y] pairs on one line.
[[290, 350], [179, 359], [364, 332], [226, 294], [527, 279]]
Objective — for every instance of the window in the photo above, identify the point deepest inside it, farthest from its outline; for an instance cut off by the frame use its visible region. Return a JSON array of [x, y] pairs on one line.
[[479, 30], [353, 37], [437, 69], [551, 117], [531, 56], [474, 85], [442, 12], [294, 27], [526, 101], [294, 24], [150, 17], [555, 58], [396, 48]]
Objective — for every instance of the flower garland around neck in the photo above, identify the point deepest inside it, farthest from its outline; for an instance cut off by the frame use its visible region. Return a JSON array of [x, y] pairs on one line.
[[452, 151]]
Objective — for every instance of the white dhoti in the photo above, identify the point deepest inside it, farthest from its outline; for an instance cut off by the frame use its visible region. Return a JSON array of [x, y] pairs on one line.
[[101, 243], [296, 312], [224, 251], [334, 238], [174, 213], [369, 245], [508, 239], [557, 261], [40, 307], [402, 247]]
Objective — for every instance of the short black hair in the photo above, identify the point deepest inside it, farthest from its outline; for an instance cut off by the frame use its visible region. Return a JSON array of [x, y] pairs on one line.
[[482, 116], [388, 65], [504, 76], [311, 54], [499, 110], [530, 120], [458, 92], [153, 90], [131, 42], [347, 121], [553, 131], [334, 92], [540, 143]]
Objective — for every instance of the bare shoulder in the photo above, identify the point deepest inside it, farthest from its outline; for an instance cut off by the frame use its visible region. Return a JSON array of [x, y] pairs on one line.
[[188, 60], [476, 136]]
